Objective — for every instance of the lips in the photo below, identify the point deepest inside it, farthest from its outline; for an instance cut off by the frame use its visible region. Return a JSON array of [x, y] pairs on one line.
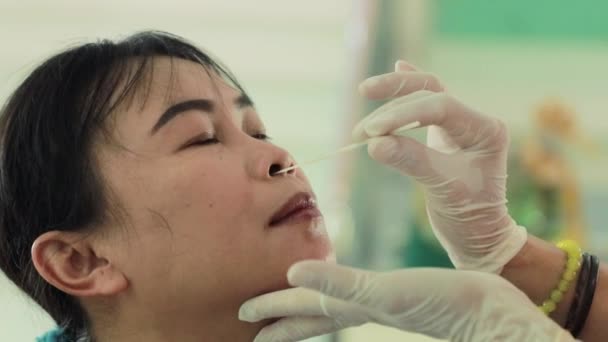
[[299, 208]]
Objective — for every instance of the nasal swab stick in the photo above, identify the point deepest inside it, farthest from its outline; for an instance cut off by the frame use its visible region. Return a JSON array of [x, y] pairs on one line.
[[348, 148]]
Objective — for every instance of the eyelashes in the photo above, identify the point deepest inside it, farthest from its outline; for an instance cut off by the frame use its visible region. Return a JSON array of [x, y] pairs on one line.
[[206, 140], [261, 136], [203, 142]]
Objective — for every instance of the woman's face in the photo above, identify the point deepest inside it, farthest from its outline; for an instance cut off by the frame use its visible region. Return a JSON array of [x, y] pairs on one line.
[[196, 184]]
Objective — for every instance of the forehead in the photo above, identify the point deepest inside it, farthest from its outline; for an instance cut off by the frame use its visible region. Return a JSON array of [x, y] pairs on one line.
[[171, 80]]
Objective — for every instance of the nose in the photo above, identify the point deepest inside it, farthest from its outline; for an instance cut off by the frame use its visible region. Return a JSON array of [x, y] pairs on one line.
[[267, 159]]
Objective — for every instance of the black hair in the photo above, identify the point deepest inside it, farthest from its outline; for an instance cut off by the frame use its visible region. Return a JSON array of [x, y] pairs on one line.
[[48, 174]]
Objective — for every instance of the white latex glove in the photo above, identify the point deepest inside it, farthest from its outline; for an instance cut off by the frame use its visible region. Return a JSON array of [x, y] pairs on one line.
[[463, 166], [448, 304]]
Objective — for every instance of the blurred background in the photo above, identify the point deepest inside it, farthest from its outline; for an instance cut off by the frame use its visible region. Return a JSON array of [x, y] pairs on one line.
[[541, 66]]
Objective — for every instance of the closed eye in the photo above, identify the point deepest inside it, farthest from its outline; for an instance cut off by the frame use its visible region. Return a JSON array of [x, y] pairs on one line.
[[261, 136], [202, 140], [209, 141]]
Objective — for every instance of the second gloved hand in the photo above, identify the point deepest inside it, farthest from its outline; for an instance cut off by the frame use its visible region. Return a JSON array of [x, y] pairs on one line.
[[448, 304]]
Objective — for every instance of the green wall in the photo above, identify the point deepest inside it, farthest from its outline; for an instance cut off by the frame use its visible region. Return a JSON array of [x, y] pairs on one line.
[[544, 19]]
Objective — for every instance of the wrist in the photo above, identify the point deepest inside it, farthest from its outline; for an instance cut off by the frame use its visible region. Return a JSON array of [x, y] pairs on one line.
[[536, 270], [521, 260]]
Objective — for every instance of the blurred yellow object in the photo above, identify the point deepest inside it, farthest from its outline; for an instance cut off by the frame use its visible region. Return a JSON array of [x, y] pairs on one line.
[[555, 117], [542, 154]]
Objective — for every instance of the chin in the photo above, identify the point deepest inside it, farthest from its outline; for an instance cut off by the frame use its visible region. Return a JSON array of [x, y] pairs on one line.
[[288, 245], [317, 248], [313, 243]]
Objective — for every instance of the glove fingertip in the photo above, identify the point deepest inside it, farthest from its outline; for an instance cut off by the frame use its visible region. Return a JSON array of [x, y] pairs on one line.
[[291, 275], [383, 149], [358, 133], [373, 129], [247, 314], [402, 65], [261, 339], [362, 88], [297, 275]]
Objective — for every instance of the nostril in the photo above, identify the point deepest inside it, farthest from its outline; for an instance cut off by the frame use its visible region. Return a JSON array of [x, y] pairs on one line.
[[274, 168]]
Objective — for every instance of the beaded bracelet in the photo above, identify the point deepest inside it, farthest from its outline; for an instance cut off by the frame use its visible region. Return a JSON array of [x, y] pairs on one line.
[[573, 264]]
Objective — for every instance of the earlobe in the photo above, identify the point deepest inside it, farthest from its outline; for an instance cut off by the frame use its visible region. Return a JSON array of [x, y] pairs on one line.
[[109, 281], [69, 263]]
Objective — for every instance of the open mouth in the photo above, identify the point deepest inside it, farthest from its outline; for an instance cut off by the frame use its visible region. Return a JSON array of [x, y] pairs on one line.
[[302, 207]]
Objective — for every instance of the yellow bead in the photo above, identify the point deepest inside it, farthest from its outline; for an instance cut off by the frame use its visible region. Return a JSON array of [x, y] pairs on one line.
[[571, 247], [564, 245], [556, 296], [548, 306], [569, 275], [575, 256], [573, 265]]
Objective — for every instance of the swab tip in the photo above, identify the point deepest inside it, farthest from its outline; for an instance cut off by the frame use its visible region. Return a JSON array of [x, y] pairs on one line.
[[287, 169]]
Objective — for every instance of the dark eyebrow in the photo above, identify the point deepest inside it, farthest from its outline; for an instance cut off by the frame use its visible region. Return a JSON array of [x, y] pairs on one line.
[[178, 108], [200, 104]]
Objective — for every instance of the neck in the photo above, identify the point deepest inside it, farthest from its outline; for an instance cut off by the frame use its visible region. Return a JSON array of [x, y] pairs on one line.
[[213, 325]]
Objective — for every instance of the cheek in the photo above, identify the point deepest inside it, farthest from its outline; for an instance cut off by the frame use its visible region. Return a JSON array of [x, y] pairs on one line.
[[209, 196], [210, 204], [208, 212]]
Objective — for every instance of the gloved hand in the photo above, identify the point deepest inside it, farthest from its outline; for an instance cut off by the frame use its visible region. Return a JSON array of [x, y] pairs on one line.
[[462, 168], [448, 304]]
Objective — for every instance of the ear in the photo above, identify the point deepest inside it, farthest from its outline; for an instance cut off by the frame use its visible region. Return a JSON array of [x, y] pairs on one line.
[[67, 261]]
